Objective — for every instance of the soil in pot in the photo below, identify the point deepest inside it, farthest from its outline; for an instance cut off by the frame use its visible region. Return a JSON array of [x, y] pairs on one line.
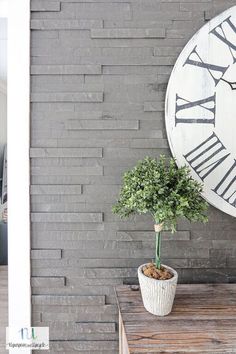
[[151, 271]]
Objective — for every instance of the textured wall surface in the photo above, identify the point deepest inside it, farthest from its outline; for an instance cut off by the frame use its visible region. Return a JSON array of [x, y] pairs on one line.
[[99, 74]]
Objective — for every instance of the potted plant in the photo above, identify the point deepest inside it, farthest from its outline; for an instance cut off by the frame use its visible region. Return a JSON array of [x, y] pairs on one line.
[[166, 192]]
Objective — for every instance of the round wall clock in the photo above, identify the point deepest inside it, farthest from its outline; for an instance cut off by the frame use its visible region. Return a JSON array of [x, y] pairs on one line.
[[201, 110]]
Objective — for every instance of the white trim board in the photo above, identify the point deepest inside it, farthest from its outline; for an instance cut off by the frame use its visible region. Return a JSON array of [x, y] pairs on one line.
[[3, 8], [18, 91]]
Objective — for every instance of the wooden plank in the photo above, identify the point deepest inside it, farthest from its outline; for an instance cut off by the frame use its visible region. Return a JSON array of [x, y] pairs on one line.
[[203, 320], [123, 343]]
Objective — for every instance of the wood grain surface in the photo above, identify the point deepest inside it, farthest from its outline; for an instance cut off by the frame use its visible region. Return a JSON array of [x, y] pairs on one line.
[[203, 320]]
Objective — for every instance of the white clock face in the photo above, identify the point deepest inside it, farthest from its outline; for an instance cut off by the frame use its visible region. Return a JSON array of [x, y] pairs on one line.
[[201, 110]]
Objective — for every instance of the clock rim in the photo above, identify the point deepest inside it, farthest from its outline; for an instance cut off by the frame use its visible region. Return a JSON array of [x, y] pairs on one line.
[[183, 53]]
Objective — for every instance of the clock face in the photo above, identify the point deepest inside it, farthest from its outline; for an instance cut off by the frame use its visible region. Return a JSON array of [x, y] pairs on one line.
[[201, 110]]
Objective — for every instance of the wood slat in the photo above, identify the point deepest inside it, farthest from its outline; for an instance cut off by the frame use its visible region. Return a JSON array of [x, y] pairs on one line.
[[203, 320]]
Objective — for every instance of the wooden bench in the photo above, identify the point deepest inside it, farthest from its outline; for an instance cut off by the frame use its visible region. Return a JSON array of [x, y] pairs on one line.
[[203, 320]]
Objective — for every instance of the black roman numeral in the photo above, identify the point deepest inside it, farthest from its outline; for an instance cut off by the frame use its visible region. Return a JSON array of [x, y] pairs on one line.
[[200, 111], [226, 188], [219, 32], [216, 71], [206, 156]]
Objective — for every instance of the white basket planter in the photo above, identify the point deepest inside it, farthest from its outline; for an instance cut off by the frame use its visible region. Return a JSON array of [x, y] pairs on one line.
[[158, 295]]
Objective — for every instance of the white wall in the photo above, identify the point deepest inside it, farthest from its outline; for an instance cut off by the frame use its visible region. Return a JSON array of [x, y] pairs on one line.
[[3, 49], [3, 123], [3, 85]]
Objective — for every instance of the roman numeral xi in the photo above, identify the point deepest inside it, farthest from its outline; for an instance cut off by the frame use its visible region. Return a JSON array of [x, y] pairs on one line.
[[220, 32], [224, 32]]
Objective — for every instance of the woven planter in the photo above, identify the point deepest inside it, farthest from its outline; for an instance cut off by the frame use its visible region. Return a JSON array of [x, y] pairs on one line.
[[158, 295]]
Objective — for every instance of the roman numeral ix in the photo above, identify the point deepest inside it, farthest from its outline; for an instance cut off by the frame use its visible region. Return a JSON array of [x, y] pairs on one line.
[[207, 156], [200, 111]]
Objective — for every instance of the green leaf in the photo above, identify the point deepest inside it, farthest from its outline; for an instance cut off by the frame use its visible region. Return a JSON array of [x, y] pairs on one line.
[[158, 187]]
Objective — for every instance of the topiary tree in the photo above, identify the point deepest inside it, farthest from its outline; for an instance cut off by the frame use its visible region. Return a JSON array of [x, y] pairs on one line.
[[164, 191]]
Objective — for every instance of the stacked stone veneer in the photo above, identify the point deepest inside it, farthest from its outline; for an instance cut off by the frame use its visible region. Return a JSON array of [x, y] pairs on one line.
[[99, 70]]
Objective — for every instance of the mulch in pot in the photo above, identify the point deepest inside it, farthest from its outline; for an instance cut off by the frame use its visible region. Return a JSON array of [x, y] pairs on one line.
[[151, 271]]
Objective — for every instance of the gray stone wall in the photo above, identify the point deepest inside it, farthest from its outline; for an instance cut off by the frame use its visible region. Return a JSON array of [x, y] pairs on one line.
[[99, 70]]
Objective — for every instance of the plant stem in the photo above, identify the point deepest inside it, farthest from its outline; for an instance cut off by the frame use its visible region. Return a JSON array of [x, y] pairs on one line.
[[158, 250]]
